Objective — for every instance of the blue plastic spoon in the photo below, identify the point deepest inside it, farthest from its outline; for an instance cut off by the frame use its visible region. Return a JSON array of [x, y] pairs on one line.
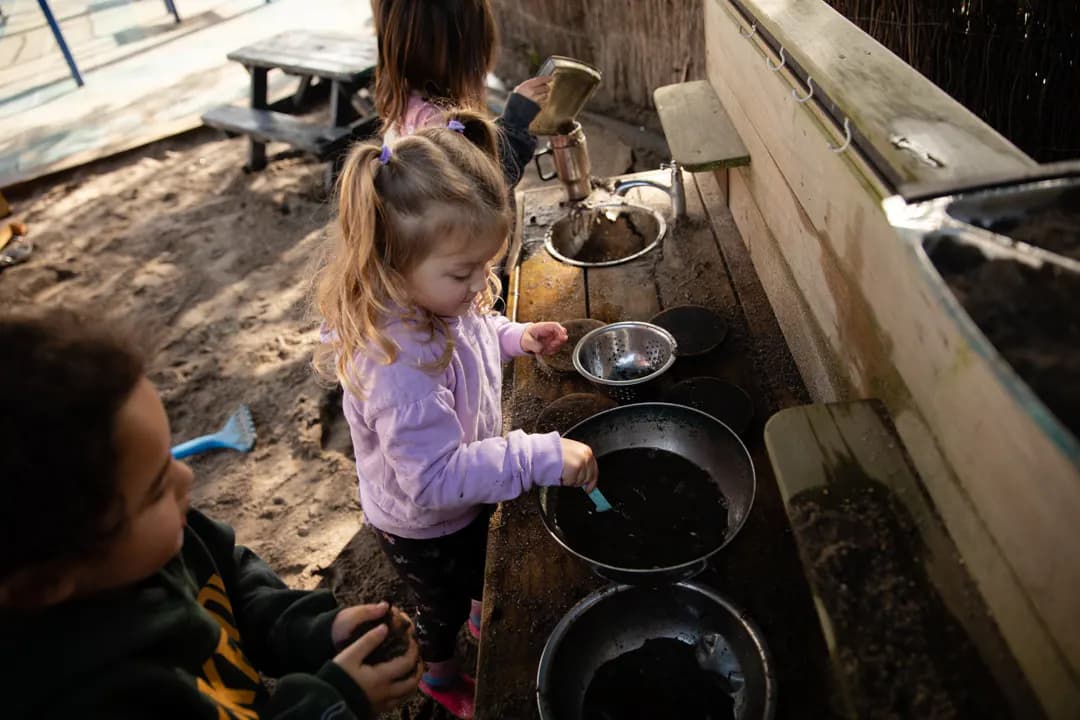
[[601, 503]]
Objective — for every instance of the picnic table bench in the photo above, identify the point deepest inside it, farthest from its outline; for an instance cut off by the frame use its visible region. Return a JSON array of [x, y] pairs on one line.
[[346, 62]]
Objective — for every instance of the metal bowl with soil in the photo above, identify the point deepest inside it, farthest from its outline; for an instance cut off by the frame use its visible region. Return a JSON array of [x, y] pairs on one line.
[[680, 651], [681, 485]]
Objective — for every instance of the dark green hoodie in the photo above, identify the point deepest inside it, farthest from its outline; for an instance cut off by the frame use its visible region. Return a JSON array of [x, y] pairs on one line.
[[185, 643]]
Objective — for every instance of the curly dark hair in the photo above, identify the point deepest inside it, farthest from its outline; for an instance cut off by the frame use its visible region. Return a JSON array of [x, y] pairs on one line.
[[63, 377]]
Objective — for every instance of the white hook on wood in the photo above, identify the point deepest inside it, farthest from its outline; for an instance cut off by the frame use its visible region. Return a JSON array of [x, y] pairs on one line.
[[753, 30], [847, 138], [783, 61], [809, 91]]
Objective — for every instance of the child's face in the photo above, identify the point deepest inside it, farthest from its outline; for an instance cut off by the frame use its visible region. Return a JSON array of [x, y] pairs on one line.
[[448, 280], [155, 490]]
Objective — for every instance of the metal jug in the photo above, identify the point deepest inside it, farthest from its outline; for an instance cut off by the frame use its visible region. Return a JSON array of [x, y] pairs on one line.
[[571, 156]]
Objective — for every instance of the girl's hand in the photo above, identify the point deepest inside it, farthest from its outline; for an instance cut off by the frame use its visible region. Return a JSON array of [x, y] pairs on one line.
[[579, 466], [544, 338], [536, 89], [385, 684]]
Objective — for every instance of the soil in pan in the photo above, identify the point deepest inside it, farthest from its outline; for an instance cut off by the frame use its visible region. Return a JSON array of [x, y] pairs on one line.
[[605, 240], [666, 511], [1029, 314], [661, 679], [1055, 230]]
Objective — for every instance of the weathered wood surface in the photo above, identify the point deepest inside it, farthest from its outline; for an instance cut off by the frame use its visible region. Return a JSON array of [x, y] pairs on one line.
[[531, 582], [863, 320], [271, 126], [909, 629], [917, 133], [698, 128], [338, 56]]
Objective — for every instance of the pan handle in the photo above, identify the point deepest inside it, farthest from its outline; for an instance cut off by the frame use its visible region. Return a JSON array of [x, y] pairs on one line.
[[539, 169]]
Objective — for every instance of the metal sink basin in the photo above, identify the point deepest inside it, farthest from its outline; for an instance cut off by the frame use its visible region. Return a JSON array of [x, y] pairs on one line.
[[608, 233]]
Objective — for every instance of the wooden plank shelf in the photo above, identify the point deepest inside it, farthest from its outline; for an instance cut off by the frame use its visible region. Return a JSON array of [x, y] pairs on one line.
[[910, 634], [698, 130]]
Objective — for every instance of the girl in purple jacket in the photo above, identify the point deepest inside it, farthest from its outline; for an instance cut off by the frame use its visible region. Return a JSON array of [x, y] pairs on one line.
[[407, 294]]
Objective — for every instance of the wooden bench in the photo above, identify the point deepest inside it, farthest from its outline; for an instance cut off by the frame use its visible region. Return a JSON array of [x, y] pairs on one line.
[[345, 61], [698, 130], [265, 126], [907, 629]]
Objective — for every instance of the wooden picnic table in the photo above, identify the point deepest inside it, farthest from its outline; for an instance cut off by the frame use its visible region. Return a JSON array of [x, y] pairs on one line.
[[530, 581], [344, 60]]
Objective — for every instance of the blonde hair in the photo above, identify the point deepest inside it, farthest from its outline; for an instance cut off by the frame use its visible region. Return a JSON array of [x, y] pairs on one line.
[[433, 183], [442, 50]]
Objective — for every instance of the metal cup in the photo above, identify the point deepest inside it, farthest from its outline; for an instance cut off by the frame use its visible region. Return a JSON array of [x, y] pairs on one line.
[[571, 155]]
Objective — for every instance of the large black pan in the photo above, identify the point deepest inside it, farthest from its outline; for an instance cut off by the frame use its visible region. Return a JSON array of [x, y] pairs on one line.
[[693, 435]]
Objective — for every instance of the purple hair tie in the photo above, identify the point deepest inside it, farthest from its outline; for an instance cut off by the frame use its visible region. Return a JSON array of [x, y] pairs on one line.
[[456, 126], [384, 155]]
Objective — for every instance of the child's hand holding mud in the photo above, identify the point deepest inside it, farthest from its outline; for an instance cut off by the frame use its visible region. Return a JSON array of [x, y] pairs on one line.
[[543, 338], [380, 653], [353, 623]]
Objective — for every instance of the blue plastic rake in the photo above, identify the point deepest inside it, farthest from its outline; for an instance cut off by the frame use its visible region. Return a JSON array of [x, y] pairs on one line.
[[238, 434]]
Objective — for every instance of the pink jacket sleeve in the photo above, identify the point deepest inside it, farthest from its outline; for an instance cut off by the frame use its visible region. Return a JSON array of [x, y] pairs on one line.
[[422, 442]]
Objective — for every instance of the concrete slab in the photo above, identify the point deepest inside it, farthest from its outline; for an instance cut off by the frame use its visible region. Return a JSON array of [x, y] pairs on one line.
[[146, 76]]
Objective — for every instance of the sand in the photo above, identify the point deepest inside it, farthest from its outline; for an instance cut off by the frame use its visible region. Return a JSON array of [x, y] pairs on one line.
[[213, 267]]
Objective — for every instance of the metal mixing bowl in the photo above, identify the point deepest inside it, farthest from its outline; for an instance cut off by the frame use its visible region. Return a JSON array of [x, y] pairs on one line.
[[620, 618], [625, 359], [689, 433]]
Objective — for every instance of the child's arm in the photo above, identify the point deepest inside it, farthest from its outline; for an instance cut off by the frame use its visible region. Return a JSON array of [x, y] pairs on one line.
[[517, 144], [283, 630], [517, 339], [423, 442], [509, 334], [293, 631]]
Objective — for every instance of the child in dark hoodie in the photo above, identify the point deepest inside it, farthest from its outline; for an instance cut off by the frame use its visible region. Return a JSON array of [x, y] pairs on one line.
[[116, 599]]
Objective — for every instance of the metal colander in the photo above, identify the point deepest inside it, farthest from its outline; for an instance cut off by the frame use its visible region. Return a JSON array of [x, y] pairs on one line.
[[623, 359]]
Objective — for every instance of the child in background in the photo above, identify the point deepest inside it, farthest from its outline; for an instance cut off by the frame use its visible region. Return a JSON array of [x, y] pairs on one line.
[[436, 55], [407, 296], [116, 599]]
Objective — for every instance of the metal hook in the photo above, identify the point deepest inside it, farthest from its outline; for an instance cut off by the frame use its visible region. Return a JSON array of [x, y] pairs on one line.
[[753, 30], [783, 61], [810, 91], [847, 138]]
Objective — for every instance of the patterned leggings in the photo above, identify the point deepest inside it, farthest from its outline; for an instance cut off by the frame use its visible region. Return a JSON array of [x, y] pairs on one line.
[[445, 574]]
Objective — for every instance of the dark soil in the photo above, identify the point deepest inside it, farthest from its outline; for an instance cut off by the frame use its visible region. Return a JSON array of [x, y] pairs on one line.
[[666, 511], [661, 679], [901, 649], [728, 403], [1057, 231], [569, 410], [606, 239], [396, 642], [696, 329], [1030, 315], [563, 360]]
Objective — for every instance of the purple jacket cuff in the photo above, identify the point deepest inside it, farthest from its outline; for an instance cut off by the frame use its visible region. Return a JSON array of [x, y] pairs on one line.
[[547, 460], [510, 340]]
